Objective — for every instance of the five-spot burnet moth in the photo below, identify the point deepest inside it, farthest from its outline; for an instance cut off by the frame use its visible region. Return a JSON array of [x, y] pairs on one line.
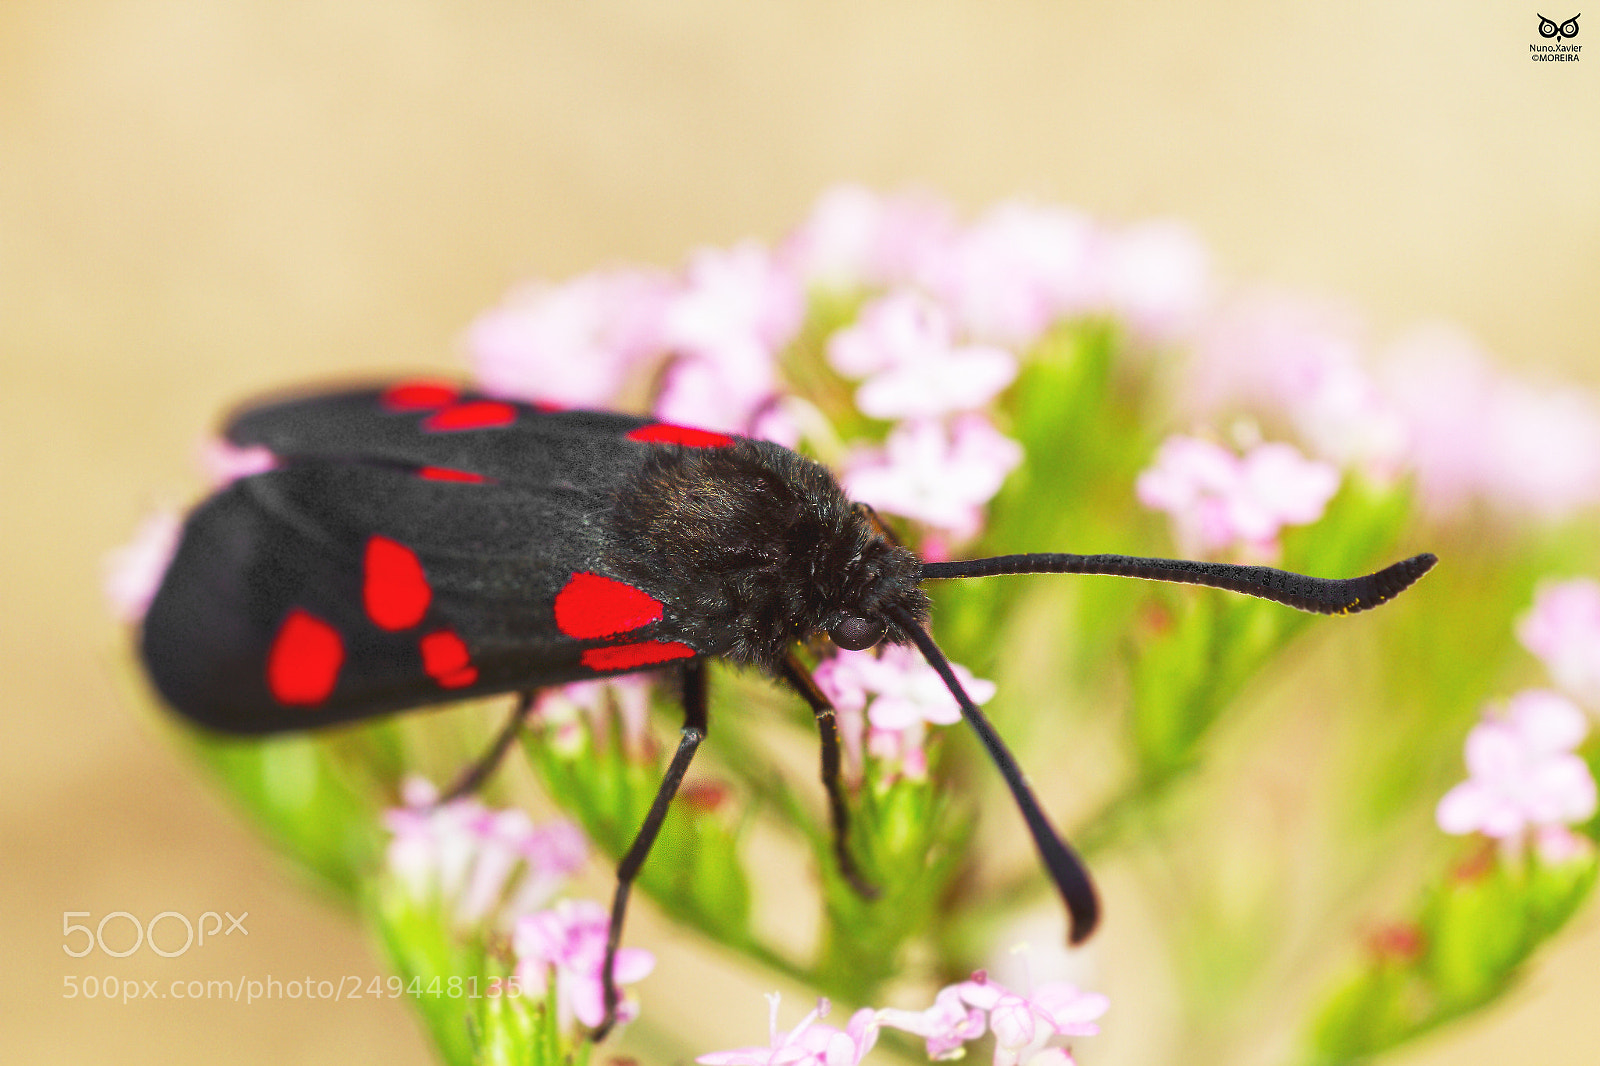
[[418, 544]]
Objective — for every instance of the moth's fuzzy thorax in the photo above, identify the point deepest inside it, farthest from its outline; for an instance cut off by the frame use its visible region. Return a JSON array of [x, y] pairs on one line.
[[752, 548]]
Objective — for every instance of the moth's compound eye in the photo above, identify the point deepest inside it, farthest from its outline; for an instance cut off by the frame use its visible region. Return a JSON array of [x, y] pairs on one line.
[[856, 633]]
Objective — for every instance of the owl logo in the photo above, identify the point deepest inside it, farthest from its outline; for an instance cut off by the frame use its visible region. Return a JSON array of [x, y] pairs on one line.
[[1569, 28]]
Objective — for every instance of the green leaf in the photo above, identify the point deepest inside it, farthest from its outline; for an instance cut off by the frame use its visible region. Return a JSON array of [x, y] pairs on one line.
[[298, 790]]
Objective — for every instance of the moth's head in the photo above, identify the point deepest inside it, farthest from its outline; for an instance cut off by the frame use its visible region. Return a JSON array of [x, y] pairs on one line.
[[884, 581]]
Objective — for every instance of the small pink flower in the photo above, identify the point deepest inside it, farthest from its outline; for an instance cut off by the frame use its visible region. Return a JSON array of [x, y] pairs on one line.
[[1285, 354], [904, 344], [858, 238], [551, 853], [946, 1026], [1017, 270], [1157, 278], [133, 572], [1477, 432], [1523, 773], [1556, 844], [571, 939], [941, 478], [564, 710], [1067, 1009], [488, 866], [1563, 630], [737, 309], [807, 1044], [1022, 1024], [1440, 383], [1219, 500], [570, 344], [901, 696], [905, 690], [497, 836], [1268, 348], [1544, 450], [431, 848]]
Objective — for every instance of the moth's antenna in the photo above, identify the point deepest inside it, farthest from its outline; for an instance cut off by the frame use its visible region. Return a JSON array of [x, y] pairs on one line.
[[1063, 864], [1320, 594]]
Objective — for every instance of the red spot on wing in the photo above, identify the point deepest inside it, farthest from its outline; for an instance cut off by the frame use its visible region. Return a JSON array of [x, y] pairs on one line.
[[446, 659], [590, 606], [633, 656], [478, 414], [419, 395], [444, 473], [666, 433], [396, 590], [303, 664]]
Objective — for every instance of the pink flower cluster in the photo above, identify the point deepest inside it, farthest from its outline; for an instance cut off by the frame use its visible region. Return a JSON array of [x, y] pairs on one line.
[[487, 866], [1023, 1026], [1220, 501], [568, 942], [936, 346], [1014, 272], [944, 460], [1524, 777], [496, 868], [718, 328], [939, 474], [565, 710], [1437, 408], [570, 344], [905, 346], [886, 698], [1563, 630], [808, 1044], [948, 305]]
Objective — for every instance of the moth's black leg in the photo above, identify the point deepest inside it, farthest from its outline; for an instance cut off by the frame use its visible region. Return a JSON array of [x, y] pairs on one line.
[[694, 731], [799, 678], [473, 777]]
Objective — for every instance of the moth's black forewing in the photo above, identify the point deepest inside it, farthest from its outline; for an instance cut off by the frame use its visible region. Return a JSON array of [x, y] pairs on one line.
[[545, 449], [495, 552]]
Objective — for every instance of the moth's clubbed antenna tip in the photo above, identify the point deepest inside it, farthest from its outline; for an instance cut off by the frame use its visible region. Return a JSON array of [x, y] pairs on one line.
[[1388, 583], [1419, 565], [1083, 919]]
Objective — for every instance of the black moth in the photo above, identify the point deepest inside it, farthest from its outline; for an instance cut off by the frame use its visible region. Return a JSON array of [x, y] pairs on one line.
[[418, 544]]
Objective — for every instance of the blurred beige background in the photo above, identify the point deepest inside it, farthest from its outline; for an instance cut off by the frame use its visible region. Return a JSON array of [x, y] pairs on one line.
[[200, 200]]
